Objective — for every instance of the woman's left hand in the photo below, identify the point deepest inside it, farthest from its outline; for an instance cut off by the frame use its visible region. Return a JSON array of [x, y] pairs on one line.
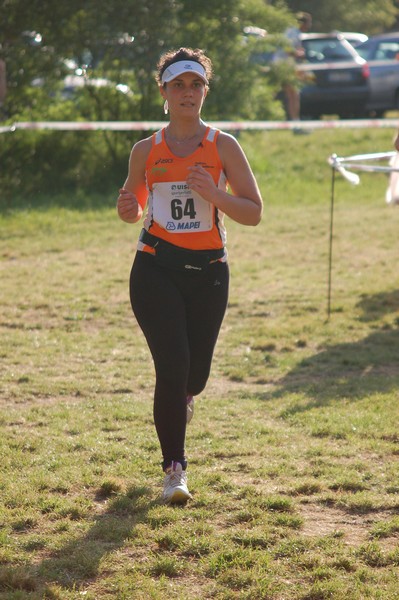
[[200, 181]]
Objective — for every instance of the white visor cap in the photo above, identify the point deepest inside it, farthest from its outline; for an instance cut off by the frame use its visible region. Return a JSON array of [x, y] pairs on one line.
[[183, 66]]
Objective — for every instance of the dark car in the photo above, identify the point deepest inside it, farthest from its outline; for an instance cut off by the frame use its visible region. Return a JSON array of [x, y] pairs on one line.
[[335, 77], [382, 55]]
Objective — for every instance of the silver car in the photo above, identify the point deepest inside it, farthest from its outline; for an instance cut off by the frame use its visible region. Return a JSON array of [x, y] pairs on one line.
[[382, 55]]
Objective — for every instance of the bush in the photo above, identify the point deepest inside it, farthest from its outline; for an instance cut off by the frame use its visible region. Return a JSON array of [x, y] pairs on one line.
[[50, 162]]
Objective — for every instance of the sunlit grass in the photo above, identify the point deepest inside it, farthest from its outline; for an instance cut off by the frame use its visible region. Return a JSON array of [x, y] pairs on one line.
[[293, 450]]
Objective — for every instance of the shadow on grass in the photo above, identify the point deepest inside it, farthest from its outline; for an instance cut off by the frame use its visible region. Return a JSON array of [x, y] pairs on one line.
[[377, 305], [351, 370], [78, 561]]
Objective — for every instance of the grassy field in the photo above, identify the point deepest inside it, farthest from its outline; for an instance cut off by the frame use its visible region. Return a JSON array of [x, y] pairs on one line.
[[294, 447]]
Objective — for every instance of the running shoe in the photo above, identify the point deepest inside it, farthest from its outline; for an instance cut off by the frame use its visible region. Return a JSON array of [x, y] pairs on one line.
[[175, 490], [190, 408]]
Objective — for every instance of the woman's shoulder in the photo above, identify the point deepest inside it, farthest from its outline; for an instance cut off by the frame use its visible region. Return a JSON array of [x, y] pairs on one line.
[[227, 143], [227, 139], [143, 146], [230, 151], [141, 149]]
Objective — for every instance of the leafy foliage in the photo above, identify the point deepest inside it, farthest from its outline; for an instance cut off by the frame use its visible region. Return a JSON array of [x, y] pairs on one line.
[[366, 16], [111, 50]]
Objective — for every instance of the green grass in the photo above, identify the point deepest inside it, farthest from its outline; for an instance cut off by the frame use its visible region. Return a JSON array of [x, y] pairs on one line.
[[293, 450]]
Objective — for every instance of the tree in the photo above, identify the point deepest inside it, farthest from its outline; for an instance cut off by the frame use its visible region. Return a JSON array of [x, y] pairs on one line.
[[239, 90], [366, 16], [122, 42], [99, 30]]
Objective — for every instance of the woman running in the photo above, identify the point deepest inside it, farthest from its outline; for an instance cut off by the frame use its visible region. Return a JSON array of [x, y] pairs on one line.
[[180, 276]]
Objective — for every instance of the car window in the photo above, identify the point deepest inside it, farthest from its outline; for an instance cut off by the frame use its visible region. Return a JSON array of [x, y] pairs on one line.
[[387, 51], [364, 50], [325, 50]]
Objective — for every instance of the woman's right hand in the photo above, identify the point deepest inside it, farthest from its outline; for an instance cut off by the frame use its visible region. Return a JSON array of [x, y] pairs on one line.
[[129, 210]]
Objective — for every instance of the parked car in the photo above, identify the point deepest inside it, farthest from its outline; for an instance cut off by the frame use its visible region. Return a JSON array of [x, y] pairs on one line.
[[335, 77], [382, 55]]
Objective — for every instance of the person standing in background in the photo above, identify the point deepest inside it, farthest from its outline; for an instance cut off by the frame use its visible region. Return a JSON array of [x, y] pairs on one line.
[[295, 54]]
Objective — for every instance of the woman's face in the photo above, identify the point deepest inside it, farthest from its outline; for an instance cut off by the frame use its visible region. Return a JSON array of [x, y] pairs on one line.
[[185, 94]]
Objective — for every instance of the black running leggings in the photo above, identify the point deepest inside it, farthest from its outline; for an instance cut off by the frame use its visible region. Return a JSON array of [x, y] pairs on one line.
[[180, 315]]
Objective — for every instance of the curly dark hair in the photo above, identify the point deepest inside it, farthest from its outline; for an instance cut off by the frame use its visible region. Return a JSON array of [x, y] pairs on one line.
[[172, 56]]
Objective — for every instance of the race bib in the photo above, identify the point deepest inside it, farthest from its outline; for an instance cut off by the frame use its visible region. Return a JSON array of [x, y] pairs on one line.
[[178, 209]]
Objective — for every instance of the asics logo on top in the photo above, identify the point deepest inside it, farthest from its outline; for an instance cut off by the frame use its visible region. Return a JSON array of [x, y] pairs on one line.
[[204, 164], [164, 160]]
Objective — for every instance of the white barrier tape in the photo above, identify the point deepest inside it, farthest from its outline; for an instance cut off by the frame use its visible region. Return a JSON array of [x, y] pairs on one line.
[[226, 125], [368, 168], [351, 177], [374, 156], [341, 164]]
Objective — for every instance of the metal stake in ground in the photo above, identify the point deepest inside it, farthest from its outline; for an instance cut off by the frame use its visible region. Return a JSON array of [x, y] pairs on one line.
[[330, 241]]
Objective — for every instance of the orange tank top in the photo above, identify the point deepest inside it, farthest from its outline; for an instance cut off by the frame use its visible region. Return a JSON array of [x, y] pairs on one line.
[[175, 213]]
